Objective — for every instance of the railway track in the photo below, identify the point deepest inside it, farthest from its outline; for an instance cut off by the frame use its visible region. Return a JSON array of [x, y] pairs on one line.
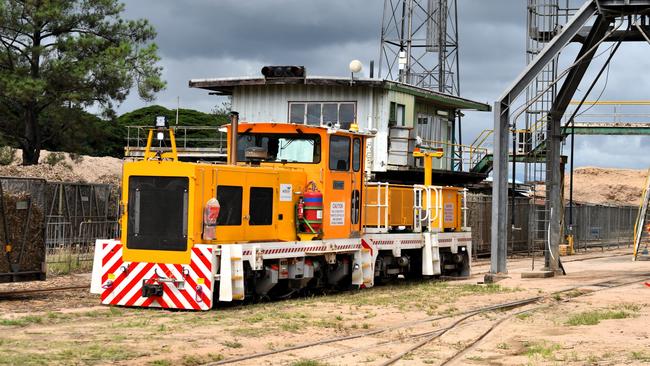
[[424, 338], [9, 294]]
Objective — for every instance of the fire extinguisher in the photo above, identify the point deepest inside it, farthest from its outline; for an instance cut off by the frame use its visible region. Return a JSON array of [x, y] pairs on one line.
[[301, 208], [210, 216]]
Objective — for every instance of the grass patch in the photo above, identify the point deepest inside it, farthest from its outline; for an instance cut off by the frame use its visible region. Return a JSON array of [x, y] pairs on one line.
[[160, 363], [308, 363], [475, 358], [97, 353], [193, 360], [523, 316], [22, 322], [541, 349], [640, 356], [417, 293], [595, 316], [232, 344], [190, 360]]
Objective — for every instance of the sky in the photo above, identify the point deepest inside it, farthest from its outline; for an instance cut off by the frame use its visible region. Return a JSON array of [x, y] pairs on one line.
[[227, 38]]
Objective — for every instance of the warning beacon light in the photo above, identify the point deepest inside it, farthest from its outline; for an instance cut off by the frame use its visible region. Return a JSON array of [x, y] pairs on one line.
[[161, 125]]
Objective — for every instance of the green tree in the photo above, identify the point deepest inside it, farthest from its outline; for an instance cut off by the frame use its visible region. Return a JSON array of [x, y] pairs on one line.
[[69, 54]]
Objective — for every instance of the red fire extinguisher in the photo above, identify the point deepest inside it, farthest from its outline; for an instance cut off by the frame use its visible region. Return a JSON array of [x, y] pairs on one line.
[[210, 216], [301, 208], [313, 209]]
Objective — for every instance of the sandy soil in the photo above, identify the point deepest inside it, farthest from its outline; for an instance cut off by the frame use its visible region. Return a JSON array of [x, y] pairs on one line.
[[607, 186], [79, 331]]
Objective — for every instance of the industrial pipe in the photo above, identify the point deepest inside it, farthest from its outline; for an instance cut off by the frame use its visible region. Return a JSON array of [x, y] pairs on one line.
[[234, 137]]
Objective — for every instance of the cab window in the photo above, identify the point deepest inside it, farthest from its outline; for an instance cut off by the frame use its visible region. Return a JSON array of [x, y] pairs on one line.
[[356, 155], [339, 153]]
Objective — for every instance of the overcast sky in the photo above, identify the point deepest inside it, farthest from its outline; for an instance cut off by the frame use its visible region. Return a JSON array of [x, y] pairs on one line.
[[225, 38]]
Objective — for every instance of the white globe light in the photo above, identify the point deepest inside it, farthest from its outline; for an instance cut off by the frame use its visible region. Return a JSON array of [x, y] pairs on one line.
[[356, 66]]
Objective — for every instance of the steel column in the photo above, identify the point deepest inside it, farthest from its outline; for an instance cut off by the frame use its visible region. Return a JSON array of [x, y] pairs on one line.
[[554, 137], [501, 132]]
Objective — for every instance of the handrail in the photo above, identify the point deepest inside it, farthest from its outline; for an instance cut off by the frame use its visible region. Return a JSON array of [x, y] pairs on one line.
[[429, 206], [469, 155], [137, 135], [379, 204], [482, 138]]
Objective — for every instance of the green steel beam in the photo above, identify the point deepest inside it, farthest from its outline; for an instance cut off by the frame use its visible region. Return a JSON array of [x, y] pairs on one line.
[[607, 130]]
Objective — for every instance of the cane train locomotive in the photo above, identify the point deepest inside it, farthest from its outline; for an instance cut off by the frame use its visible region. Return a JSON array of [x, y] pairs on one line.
[[292, 210]]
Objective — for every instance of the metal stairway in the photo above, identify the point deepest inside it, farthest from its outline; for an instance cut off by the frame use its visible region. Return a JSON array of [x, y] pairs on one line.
[[642, 226]]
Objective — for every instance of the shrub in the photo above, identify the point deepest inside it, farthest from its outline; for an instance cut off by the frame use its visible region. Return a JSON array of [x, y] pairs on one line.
[[7, 155], [54, 158]]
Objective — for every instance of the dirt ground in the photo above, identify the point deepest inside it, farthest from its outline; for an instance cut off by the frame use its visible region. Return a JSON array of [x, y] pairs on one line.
[[588, 325], [64, 167]]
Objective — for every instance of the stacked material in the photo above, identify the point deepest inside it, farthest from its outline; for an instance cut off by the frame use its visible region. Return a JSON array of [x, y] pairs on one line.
[[24, 231]]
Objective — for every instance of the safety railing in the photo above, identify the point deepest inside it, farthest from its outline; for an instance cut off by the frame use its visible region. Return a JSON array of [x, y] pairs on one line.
[[428, 212], [381, 206], [463, 156], [89, 231], [194, 139]]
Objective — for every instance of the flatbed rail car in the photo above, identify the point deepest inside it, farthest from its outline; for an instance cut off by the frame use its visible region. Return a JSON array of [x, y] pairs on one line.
[[292, 210]]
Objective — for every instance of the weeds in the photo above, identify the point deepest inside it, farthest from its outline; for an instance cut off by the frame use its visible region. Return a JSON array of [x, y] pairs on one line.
[[595, 316], [523, 316], [641, 356], [22, 322], [541, 349], [232, 344], [308, 363]]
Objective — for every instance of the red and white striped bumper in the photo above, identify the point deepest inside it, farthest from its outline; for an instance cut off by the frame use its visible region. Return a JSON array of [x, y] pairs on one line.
[[181, 286]]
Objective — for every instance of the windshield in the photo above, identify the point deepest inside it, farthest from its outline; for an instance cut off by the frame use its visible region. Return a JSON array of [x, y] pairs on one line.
[[303, 148]]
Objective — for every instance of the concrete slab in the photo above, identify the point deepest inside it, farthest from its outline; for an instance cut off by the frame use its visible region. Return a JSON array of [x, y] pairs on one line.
[[494, 278], [537, 274]]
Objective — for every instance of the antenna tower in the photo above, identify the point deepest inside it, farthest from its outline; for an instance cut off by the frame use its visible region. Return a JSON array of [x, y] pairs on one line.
[[419, 44]]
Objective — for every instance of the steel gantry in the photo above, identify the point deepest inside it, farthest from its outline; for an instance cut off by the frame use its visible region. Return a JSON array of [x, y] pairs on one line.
[[595, 22]]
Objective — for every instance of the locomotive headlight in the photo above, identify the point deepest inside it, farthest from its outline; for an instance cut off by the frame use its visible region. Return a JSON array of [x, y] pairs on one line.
[[160, 136]]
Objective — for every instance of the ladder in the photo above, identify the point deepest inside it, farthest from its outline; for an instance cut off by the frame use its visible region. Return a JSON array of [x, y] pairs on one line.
[[642, 225]]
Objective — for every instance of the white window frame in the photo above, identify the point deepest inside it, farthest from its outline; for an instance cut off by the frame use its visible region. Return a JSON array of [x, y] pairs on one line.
[[338, 103]]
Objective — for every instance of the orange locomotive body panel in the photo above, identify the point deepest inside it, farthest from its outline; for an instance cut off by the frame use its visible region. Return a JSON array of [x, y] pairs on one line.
[[337, 172], [399, 202]]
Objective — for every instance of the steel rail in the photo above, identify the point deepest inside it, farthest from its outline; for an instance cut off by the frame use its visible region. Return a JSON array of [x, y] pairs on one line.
[[475, 342], [6, 294], [431, 335]]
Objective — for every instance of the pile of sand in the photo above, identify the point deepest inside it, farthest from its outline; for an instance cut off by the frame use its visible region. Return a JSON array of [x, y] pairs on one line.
[[606, 186], [86, 169]]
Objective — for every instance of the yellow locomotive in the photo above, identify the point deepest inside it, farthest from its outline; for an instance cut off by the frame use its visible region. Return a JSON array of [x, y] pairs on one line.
[[292, 210]]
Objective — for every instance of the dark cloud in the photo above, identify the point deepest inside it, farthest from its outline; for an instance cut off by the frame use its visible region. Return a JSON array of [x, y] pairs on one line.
[[207, 38]]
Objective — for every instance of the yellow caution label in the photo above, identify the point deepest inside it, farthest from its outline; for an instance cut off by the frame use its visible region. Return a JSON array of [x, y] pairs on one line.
[[200, 281], [111, 276]]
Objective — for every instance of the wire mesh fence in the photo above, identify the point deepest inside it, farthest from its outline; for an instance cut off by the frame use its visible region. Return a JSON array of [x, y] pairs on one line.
[[593, 225], [78, 214]]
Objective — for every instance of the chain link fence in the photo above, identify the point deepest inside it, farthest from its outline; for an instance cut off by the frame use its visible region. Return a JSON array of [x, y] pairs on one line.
[[594, 225]]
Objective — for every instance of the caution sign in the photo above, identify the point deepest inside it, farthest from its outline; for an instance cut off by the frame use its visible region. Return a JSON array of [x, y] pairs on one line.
[[449, 212], [337, 213]]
